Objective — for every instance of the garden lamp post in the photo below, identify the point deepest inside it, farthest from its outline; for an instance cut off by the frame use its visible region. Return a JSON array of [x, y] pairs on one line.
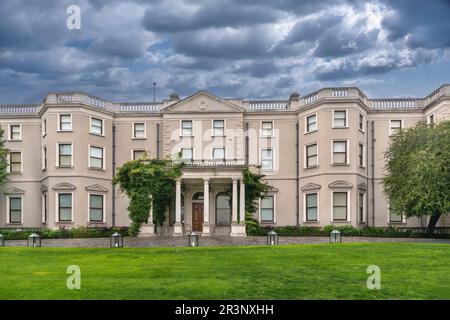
[[116, 240], [193, 239], [272, 238], [2, 240], [335, 236], [34, 240]]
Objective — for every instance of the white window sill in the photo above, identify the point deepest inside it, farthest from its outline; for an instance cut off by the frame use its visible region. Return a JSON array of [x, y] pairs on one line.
[[340, 127], [134, 138], [64, 131], [14, 140], [97, 134], [312, 131]]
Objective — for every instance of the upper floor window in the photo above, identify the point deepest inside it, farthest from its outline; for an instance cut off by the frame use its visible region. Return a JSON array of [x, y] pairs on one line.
[[65, 122], [96, 208], [218, 128], [138, 154], [340, 152], [339, 119], [311, 155], [340, 206], [361, 155], [96, 160], [44, 127], [15, 162], [15, 132], [219, 153], [267, 210], [361, 207], [64, 154], [139, 130], [187, 154], [361, 122], [186, 128], [64, 207], [44, 157], [15, 209], [311, 206], [267, 129], [311, 123], [97, 126], [266, 159], [394, 126]]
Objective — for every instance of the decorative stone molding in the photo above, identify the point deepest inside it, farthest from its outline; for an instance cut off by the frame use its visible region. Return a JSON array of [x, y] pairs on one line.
[[14, 190], [362, 186], [340, 184], [44, 189], [97, 188], [64, 186], [310, 186]]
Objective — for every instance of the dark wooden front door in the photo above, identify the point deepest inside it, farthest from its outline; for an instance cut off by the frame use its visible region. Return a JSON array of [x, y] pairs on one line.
[[197, 216]]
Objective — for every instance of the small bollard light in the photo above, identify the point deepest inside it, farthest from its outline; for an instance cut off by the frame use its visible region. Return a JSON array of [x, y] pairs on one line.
[[272, 238], [34, 240], [116, 240], [193, 239], [2, 240], [335, 236]]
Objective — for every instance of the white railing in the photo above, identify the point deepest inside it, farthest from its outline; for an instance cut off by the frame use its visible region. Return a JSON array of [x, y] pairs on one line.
[[96, 102], [393, 103], [64, 97], [311, 97], [268, 105], [339, 92], [211, 163], [140, 107], [28, 108]]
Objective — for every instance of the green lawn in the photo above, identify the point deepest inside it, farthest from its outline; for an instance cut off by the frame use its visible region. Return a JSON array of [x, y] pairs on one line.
[[338, 271]]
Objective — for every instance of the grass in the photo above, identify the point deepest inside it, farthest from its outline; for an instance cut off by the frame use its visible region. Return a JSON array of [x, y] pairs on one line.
[[338, 271]]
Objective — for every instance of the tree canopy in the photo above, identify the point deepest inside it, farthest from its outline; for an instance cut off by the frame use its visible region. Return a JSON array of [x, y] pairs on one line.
[[3, 159], [418, 171], [147, 182]]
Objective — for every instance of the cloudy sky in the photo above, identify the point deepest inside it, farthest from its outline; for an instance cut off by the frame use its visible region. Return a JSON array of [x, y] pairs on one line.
[[232, 48]]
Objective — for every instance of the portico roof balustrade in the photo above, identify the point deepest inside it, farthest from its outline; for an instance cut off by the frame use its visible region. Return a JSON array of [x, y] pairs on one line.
[[211, 163]]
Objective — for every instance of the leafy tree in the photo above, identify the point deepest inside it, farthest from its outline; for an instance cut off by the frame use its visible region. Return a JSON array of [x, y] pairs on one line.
[[255, 188], [145, 180], [418, 172], [3, 159]]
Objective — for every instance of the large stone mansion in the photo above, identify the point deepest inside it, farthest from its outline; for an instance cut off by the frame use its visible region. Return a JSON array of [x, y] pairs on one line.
[[322, 154]]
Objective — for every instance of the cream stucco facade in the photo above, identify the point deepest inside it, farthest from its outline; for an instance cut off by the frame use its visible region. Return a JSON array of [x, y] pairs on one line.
[[322, 154]]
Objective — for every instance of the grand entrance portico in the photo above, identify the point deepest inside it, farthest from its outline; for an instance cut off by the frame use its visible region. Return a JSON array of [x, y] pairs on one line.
[[213, 204]]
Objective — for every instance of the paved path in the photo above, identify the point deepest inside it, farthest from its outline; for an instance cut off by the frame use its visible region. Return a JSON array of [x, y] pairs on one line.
[[165, 241]]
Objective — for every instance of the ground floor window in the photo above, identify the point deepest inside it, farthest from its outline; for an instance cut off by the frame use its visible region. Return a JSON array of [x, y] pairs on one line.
[[267, 209], [64, 207], [15, 210], [96, 208], [395, 217], [311, 207], [223, 209], [361, 207], [340, 206]]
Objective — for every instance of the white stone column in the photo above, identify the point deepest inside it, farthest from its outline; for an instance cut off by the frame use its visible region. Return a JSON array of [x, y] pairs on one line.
[[206, 229], [234, 202], [178, 228], [148, 229], [242, 203]]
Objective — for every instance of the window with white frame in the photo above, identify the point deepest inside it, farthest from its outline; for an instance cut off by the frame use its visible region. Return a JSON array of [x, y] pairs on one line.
[[44, 127], [218, 128], [138, 154], [339, 119], [361, 207], [311, 123], [64, 154], [394, 126], [361, 122], [311, 205], [311, 155], [44, 157], [266, 159], [218, 154], [15, 132], [96, 126], [361, 154], [96, 203], [394, 217], [340, 152], [267, 128], [267, 209], [65, 122], [64, 207], [340, 206], [15, 162], [96, 157], [139, 130], [187, 154], [186, 128], [15, 209], [44, 212]]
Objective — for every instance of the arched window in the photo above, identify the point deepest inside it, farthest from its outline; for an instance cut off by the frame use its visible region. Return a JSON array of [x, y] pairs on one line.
[[223, 209], [198, 196]]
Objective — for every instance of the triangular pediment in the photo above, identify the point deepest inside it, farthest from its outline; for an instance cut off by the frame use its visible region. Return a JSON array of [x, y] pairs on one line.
[[311, 186], [202, 102], [97, 188], [340, 184], [64, 186], [14, 190]]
